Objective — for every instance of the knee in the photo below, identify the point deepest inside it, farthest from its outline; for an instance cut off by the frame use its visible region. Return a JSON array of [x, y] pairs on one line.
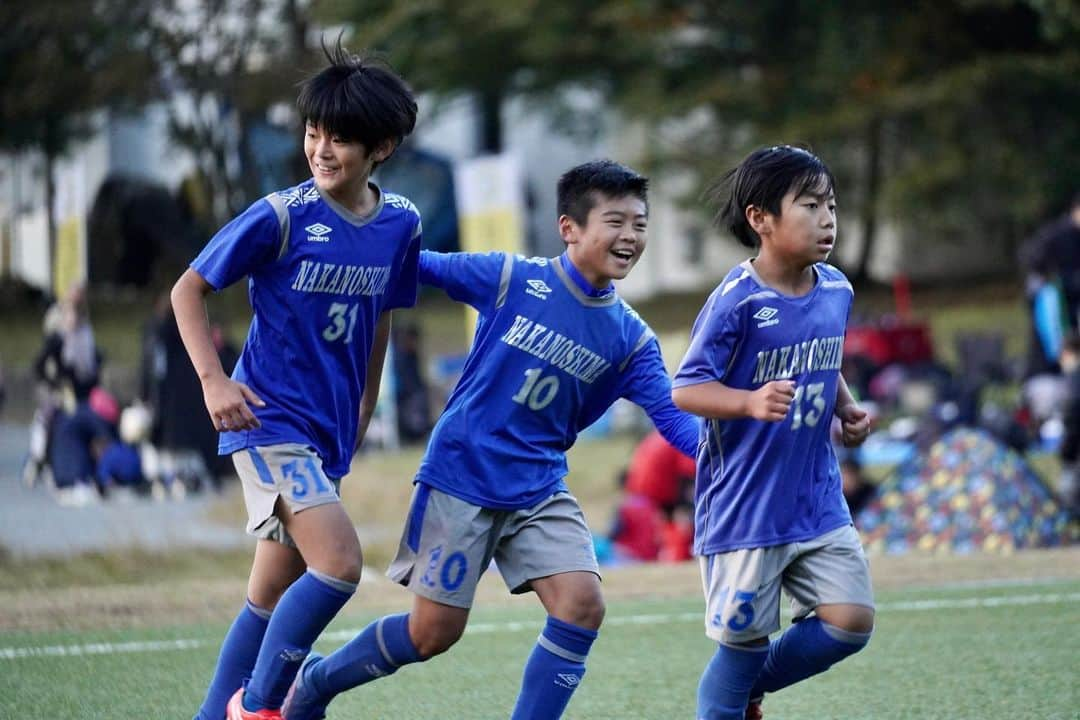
[[585, 611], [346, 563], [431, 639], [849, 618]]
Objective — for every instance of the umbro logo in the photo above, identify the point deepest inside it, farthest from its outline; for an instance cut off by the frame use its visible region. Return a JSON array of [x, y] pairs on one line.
[[567, 680], [537, 288], [767, 316], [318, 232]]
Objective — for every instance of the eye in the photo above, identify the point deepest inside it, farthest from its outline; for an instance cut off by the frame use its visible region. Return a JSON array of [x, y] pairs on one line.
[[640, 227], [811, 205], [832, 208]]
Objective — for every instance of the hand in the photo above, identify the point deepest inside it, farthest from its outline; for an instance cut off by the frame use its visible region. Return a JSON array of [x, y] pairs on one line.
[[771, 401], [227, 402], [854, 424]]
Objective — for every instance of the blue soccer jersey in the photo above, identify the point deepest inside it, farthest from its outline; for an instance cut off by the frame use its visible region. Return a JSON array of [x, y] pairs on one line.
[[547, 360], [319, 278], [761, 483]]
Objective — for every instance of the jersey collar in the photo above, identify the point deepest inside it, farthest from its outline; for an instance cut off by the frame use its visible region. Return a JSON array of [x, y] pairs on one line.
[[584, 285]]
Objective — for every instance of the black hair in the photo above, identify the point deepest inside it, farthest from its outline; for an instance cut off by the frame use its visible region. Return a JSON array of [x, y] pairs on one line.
[[579, 185], [358, 99], [762, 180]]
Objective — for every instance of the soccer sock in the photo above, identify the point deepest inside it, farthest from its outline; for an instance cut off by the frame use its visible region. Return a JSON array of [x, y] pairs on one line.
[[237, 657], [379, 650], [724, 689], [808, 647], [305, 609], [553, 671]]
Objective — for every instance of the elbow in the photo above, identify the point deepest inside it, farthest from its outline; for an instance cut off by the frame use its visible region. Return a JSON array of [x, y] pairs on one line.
[[682, 399]]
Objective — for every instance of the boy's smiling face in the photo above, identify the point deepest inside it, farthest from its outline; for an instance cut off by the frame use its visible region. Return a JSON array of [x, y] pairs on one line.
[[340, 167], [608, 246]]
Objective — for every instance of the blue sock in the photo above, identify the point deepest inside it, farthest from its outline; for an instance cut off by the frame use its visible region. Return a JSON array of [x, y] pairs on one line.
[[725, 685], [554, 670], [303, 612], [379, 650], [807, 648], [237, 657]]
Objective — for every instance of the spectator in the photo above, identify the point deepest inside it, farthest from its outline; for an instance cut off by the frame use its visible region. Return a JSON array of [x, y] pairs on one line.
[[410, 388], [857, 491], [1069, 486], [1051, 260], [658, 472], [636, 534], [67, 367]]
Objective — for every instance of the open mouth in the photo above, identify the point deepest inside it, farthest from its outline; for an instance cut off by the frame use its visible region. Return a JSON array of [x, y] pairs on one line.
[[623, 254]]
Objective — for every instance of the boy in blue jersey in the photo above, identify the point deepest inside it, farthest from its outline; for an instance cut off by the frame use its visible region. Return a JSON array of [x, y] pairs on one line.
[[554, 347], [327, 261], [763, 367]]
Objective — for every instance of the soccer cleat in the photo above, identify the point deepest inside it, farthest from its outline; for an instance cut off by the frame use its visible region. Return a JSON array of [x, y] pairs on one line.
[[235, 710], [753, 710], [302, 702]]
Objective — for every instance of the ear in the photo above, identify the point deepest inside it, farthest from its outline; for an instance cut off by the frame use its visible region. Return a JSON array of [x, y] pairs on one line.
[[384, 150], [568, 229], [759, 219]]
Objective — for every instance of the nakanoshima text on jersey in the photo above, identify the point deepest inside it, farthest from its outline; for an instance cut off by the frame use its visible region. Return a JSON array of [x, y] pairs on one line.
[[560, 351], [334, 279], [787, 361]]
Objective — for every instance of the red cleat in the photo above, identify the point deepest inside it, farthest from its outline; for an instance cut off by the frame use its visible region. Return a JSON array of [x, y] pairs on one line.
[[235, 710], [753, 710]]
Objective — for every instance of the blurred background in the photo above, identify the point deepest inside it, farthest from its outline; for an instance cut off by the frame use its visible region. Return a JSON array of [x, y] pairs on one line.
[[130, 130]]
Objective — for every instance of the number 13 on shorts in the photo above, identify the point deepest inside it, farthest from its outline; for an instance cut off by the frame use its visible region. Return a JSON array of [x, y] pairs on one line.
[[738, 610]]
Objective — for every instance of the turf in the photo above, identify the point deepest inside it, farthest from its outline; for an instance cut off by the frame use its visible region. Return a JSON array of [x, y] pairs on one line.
[[980, 652]]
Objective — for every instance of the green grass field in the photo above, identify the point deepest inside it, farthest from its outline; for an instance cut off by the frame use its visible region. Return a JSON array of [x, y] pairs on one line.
[[1005, 649]]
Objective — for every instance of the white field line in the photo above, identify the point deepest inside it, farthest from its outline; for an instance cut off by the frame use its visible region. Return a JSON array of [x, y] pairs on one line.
[[107, 648]]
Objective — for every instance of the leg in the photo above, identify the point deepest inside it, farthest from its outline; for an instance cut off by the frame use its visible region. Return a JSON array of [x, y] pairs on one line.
[[813, 645], [557, 664], [380, 650], [327, 541], [742, 595], [276, 566], [830, 578], [428, 563], [724, 688]]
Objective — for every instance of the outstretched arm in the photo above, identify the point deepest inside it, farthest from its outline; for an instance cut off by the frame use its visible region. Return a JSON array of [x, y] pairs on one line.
[[226, 400], [647, 384]]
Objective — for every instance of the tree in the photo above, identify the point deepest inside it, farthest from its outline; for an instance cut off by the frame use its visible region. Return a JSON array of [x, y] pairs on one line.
[[57, 65], [225, 64], [953, 119]]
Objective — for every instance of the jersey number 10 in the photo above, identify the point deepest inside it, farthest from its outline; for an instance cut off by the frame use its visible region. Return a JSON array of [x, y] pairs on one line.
[[537, 392]]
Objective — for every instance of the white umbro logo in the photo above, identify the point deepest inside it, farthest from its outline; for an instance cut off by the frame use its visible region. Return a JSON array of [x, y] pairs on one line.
[[318, 232], [537, 288], [567, 680], [767, 316]]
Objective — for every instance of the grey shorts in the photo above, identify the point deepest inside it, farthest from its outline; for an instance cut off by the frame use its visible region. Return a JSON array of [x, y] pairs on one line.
[[291, 471], [448, 543], [742, 588]]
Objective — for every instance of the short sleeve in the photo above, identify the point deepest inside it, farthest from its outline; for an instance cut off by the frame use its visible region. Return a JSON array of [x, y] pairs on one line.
[[473, 278], [713, 341], [250, 240]]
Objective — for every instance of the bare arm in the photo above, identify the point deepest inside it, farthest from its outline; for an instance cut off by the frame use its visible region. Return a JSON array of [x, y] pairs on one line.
[[374, 376], [854, 421], [770, 402], [226, 400]]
